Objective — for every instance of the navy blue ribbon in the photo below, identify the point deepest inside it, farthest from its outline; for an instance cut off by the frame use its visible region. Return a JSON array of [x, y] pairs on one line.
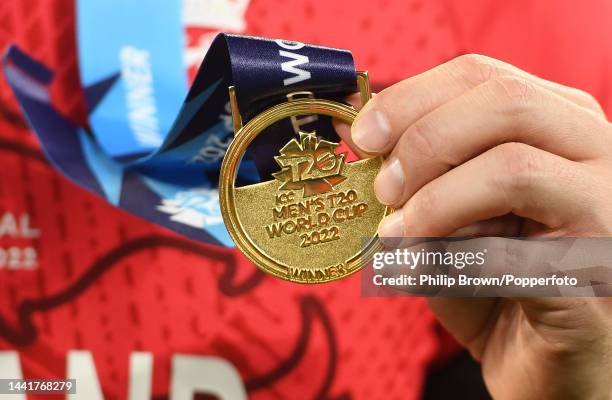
[[175, 184]]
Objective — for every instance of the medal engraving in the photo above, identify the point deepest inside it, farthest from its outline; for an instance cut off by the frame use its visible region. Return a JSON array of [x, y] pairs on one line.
[[315, 216], [316, 220]]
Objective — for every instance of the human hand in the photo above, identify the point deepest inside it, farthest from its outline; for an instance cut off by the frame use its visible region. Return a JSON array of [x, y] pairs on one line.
[[479, 147]]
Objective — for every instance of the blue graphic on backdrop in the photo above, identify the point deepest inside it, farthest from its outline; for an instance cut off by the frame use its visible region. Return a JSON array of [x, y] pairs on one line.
[[140, 108]]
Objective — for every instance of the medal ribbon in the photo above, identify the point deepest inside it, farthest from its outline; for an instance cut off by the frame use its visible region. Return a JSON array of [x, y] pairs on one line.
[[174, 182]]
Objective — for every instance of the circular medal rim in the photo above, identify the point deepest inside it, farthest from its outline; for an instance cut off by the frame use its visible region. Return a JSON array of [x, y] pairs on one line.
[[229, 169]]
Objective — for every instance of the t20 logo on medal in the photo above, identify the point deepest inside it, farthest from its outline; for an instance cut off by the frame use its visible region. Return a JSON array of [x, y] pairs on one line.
[[311, 165]]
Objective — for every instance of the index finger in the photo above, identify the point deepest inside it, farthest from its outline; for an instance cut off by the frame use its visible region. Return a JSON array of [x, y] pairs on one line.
[[385, 118]]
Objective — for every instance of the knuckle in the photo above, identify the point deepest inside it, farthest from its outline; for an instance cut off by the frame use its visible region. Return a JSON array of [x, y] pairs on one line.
[[585, 96], [518, 164], [475, 68], [419, 140], [518, 95], [588, 99]]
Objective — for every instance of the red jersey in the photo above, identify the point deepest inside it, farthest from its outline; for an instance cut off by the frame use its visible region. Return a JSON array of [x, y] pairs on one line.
[[132, 310]]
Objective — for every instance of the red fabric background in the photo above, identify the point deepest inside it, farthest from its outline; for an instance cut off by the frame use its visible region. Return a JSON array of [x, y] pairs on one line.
[[168, 295]]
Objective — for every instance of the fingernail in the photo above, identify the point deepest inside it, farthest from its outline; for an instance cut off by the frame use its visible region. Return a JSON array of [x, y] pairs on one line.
[[390, 181], [371, 131], [392, 226]]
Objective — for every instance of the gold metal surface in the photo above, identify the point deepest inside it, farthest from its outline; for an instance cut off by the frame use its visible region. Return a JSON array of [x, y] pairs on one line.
[[363, 83], [317, 220], [236, 116]]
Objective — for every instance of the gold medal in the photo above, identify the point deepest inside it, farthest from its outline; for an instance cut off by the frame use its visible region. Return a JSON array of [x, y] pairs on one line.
[[316, 221]]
